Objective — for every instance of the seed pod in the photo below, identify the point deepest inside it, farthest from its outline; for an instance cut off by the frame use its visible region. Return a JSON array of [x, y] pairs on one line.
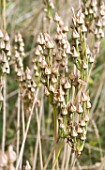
[[1, 34], [86, 118], [57, 17], [28, 74], [11, 155], [82, 123], [83, 137], [6, 37], [84, 29], [40, 39], [53, 79], [3, 159], [74, 133], [47, 70], [88, 105], [51, 88], [75, 54], [50, 44], [27, 166], [47, 93], [84, 65], [67, 85], [84, 97], [64, 111], [79, 130], [79, 108], [75, 34], [72, 108]]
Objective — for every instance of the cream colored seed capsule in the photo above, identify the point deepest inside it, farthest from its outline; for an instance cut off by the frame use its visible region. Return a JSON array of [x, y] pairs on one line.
[[27, 167], [79, 108], [3, 159], [11, 154]]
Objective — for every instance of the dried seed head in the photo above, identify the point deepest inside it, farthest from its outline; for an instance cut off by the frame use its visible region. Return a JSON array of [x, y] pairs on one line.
[[84, 65], [65, 29], [50, 44], [80, 17], [51, 88], [84, 29]]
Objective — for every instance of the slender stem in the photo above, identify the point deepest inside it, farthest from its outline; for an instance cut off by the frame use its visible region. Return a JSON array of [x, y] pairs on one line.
[[26, 132], [4, 117], [3, 8]]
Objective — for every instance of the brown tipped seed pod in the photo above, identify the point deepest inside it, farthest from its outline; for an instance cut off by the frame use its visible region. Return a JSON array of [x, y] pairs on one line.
[[3, 159], [6, 37], [47, 93], [28, 74], [11, 155]]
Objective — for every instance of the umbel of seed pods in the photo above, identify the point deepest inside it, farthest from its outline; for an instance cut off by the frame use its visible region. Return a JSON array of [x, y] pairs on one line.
[[5, 54], [51, 64]]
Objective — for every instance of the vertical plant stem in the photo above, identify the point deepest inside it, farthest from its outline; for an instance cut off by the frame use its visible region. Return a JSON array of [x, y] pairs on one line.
[[18, 123], [4, 117], [3, 8]]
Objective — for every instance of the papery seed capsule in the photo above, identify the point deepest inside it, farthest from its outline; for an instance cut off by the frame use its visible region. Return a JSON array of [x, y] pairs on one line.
[[61, 98], [3, 159], [28, 73], [65, 29], [47, 71], [67, 85], [91, 59], [84, 29], [98, 23], [27, 167], [1, 34], [50, 44], [91, 11], [51, 88], [53, 79], [11, 167], [83, 137], [79, 109], [74, 133], [86, 118], [72, 108], [2, 44], [11, 155], [47, 93], [40, 39], [88, 105], [57, 18], [75, 34], [79, 130], [75, 54], [84, 65], [84, 97], [64, 111], [6, 37], [80, 17], [82, 123]]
